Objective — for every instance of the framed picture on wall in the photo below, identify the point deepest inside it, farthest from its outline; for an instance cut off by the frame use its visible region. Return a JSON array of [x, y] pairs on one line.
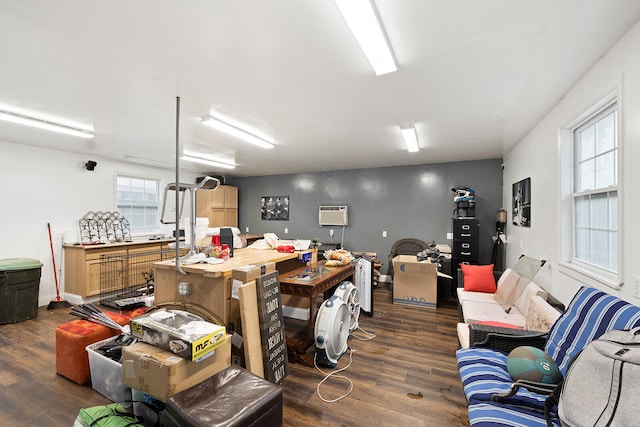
[[275, 208], [521, 202]]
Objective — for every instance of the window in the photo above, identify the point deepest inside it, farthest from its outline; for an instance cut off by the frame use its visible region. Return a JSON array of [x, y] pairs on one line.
[[138, 200], [595, 228]]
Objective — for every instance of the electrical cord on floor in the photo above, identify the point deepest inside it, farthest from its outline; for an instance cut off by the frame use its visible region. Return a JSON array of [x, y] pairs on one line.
[[333, 375], [368, 335]]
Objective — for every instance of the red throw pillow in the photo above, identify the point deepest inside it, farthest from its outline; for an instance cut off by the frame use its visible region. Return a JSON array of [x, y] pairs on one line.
[[479, 278]]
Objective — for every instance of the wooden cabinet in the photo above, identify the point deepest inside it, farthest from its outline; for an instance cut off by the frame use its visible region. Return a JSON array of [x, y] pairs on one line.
[[82, 264], [219, 205]]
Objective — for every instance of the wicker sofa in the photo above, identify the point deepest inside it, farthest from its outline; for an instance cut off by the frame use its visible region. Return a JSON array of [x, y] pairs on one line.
[[483, 315], [496, 399]]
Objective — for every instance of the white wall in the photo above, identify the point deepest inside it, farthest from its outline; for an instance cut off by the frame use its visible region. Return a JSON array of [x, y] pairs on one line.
[[42, 186], [537, 156]]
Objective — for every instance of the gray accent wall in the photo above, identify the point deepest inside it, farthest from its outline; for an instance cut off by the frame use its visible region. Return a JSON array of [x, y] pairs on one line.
[[406, 202]]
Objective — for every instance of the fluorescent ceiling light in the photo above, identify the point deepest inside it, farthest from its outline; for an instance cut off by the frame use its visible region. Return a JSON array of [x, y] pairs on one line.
[[19, 118], [237, 131], [151, 162], [362, 18], [410, 138], [208, 162]]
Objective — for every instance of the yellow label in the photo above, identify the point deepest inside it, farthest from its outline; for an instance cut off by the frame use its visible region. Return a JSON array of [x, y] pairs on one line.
[[136, 329], [207, 344]]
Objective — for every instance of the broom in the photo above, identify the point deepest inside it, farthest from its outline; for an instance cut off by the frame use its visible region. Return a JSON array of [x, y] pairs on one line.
[[57, 302]]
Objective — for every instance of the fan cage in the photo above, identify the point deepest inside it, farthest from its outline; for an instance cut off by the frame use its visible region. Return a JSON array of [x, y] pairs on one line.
[[331, 331], [349, 293], [338, 341]]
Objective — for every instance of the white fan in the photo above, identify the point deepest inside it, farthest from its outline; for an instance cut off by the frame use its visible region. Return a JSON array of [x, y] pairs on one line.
[[331, 331], [348, 292]]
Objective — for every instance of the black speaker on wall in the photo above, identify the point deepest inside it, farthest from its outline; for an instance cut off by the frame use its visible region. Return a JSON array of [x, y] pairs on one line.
[[226, 237]]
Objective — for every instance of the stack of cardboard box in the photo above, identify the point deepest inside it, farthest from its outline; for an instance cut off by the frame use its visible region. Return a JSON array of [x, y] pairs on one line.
[[176, 351]]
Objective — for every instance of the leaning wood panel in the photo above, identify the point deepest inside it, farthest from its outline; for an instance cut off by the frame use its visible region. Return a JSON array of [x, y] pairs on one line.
[[251, 328]]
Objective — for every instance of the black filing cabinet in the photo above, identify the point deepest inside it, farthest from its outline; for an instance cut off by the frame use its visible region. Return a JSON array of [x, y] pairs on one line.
[[466, 244]]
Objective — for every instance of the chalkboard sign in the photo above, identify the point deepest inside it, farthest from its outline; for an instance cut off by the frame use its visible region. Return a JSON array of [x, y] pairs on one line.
[[274, 344]]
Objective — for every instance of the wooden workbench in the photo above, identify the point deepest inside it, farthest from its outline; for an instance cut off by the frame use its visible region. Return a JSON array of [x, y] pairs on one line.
[[211, 284]]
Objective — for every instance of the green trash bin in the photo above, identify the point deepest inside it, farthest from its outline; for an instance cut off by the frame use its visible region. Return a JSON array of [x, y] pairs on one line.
[[19, 287]]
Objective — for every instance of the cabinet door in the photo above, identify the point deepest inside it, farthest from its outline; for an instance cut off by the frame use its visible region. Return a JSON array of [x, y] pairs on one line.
[[93, 278], [203, 203], [231, 217], [230, 197], [217, 197], [217, 218]]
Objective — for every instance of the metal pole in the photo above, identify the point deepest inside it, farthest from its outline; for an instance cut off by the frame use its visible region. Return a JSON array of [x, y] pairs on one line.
[[177, 231]]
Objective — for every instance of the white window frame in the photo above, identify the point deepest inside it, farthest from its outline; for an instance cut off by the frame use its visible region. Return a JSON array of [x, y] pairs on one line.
[[137, 229], [583, 271]]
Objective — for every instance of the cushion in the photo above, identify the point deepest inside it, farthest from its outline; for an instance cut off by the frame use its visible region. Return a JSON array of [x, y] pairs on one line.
[[498, 324], [524, 300], [512, 285], [590, 314], [541, 316], [478, 278], [463, 334], [503, 276], [473, 312], [474, 296], [498, 415], [483, 372]]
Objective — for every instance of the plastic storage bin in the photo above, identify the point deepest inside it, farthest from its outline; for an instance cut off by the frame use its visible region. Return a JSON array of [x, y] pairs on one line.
[[19, 287], [106, 374], [141, 402]]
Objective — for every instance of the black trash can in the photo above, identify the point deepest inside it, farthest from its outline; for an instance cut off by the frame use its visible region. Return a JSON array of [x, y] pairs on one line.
[[19, 287]]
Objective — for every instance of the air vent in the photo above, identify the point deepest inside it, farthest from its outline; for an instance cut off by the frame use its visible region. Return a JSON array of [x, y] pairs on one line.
[[332, 215]]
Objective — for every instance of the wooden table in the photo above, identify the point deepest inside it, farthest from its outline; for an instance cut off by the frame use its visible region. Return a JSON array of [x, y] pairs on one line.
[[314, 288]]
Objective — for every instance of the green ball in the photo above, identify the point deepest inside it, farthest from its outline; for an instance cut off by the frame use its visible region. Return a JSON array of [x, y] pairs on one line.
[[532, 364]]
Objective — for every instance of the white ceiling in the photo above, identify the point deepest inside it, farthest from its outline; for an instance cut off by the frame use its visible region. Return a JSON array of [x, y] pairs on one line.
[[474, 76]]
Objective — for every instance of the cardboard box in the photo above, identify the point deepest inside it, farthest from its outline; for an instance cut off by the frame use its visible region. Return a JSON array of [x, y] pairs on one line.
[[305, 256], [179, 332], [414, 282], [162, 374], [240, 276]]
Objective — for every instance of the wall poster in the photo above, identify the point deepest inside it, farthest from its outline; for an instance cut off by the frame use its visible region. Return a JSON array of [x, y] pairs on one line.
[[521, 198], [275, 208]]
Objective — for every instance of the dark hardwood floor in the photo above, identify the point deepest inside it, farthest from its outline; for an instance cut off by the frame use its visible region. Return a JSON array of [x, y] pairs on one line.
[[406, 376]]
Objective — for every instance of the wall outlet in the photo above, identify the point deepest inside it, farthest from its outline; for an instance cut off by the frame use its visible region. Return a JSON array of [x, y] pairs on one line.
[[331, 232], [286, 231], [449, 236], [184, 288], [246, 229], [384, 234]]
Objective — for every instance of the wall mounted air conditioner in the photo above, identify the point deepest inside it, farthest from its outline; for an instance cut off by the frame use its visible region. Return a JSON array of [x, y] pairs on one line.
[[333, 215]]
